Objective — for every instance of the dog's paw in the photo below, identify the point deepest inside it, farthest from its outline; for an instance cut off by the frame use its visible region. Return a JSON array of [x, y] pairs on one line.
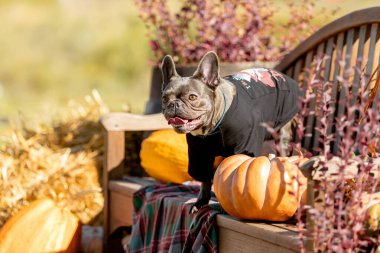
[[193, 209], [198, 205]]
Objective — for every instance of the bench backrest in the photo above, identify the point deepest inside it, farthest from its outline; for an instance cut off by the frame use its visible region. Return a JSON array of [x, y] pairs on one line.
[[355, 38]]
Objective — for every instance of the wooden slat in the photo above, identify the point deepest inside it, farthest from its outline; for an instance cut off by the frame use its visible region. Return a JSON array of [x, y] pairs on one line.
[[357, 59], [377, 57], [377, 96], [326, 74], [335, 72], [376, 52], [371, 48], [329, 55], [311, 118], [289, 72], [307, 72], [304, 79], [298, 77], [342, 94], [368, 61], [376, 63], [297, 70]]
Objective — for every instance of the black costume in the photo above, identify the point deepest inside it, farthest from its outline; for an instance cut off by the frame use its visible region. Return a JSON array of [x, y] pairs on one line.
[[262, 96]]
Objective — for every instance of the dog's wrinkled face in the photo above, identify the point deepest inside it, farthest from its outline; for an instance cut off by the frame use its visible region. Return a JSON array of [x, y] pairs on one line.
[[188, 102]]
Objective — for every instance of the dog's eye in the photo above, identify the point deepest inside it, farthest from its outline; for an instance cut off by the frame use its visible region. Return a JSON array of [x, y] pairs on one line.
[[165, 100], [192, 97]]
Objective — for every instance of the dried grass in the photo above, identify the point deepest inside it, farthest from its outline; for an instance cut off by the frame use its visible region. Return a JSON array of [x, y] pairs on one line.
[[61, 161]]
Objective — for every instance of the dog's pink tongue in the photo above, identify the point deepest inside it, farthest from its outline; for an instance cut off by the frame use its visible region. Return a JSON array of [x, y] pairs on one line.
[[177, 121]]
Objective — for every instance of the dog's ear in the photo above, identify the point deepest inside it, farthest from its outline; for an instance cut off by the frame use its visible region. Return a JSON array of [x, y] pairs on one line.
[[208, 70], [168, 70]]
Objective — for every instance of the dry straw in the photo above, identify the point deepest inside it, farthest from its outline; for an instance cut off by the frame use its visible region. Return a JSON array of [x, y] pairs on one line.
[[61, 161]]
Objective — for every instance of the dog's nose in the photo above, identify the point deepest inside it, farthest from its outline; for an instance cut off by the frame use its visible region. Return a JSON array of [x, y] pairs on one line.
[[173, 104]]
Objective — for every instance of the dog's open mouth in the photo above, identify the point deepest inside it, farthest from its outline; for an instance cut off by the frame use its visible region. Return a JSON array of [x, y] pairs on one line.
[[178, 121]]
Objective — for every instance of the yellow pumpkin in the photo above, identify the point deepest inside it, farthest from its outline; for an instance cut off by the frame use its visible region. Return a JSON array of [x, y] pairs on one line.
[[164, 156], [41, 227], [374, 217], [370, 204], [260, 187]]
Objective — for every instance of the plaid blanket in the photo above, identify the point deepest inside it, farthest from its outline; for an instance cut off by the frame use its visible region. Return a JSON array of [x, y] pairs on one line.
[[162, 223]]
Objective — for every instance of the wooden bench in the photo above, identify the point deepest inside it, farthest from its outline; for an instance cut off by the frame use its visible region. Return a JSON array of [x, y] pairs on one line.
[[356, 36]]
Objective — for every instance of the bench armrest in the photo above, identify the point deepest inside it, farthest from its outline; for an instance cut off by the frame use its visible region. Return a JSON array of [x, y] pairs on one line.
[[122, 121]]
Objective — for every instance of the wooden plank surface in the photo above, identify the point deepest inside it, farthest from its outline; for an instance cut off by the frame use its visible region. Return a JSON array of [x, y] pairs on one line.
[[243, 236], [121, 121], [121, 200], [124, 188], [233, 242], [120, 210]]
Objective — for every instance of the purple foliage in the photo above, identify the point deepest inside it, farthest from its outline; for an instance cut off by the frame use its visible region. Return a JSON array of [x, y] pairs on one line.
[[339, 223], [238, 30]]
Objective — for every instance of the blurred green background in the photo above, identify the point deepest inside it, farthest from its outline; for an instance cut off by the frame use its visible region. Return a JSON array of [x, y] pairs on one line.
[[54, 51]]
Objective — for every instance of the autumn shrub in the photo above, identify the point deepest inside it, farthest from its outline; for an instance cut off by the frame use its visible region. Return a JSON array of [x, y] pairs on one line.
[[237, 30], [347, 125]]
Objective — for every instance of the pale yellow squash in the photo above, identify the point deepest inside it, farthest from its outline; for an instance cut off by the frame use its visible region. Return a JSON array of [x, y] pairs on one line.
[[374, 217], [41, 227]]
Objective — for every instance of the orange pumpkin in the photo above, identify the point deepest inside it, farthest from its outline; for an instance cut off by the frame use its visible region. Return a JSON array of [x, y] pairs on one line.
[[260, 187], [41, 227]]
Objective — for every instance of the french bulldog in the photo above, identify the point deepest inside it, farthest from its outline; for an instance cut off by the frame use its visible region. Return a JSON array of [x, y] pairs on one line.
[[225, 116]]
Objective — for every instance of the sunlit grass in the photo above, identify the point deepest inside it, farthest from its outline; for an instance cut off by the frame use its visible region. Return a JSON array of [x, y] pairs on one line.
[[51, 53]]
